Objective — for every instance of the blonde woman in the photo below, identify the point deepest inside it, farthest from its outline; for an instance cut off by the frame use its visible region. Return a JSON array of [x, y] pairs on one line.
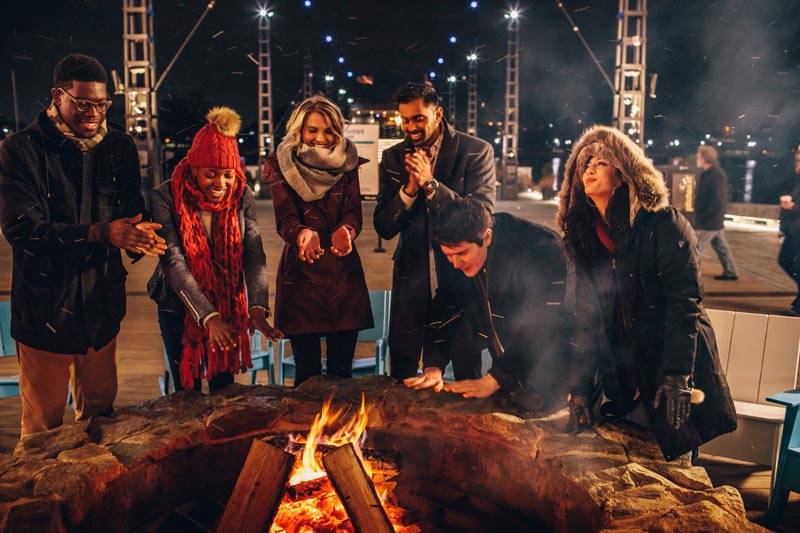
[[320, 287]]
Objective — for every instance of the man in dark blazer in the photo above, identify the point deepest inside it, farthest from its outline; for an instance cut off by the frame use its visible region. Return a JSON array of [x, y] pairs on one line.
[[434, 165], [512, 282]]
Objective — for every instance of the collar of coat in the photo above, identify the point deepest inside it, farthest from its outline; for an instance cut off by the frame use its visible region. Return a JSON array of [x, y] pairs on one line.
[[43, 126], [646, 185], [446, 156]]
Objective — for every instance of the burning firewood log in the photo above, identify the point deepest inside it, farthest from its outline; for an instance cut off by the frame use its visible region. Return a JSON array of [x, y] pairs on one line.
[[356, 491], [258, 491]]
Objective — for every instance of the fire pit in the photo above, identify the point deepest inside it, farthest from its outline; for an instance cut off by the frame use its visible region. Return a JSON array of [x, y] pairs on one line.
[[462, 464]]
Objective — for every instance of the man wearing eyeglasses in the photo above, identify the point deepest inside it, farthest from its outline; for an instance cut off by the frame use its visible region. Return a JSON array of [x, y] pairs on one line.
[[70, 201]]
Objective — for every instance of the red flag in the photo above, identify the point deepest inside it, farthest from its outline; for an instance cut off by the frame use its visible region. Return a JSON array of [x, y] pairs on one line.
[[365, 79]]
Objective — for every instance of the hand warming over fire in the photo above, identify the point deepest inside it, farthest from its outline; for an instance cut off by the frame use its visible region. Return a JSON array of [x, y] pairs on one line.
[[430, 377], [474, 388], [341, 241], [308, 247], [258, 321]]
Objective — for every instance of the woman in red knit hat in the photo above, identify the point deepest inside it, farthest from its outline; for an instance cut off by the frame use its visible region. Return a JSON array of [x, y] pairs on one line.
[[320, 288], [211, 284]]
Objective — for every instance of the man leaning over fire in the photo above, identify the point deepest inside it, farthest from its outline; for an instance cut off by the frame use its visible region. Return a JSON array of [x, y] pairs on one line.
[[512, 283]]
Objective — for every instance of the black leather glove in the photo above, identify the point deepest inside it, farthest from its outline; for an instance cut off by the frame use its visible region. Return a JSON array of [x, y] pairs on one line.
[[580, 414], [676, 393]]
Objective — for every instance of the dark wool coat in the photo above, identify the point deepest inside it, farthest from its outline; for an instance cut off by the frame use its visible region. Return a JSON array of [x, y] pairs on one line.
[[660, 290], [525, 276], [67, 294], [464, 166], [711, 199], [790, 218], [331, 294]]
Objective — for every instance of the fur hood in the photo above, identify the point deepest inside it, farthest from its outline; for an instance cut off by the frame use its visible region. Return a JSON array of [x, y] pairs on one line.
[[646, 185]]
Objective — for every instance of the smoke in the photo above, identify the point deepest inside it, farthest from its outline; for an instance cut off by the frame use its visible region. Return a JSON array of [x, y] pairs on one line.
[[727, 63]]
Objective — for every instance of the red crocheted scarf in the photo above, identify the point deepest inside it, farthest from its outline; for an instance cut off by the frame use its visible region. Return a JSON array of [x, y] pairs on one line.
[[218, 272]]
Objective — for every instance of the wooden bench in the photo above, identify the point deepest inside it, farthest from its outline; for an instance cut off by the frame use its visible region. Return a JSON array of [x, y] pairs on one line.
[[759, 354]]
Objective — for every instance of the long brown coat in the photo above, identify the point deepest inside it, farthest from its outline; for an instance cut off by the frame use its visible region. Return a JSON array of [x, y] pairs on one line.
[[331, 294]]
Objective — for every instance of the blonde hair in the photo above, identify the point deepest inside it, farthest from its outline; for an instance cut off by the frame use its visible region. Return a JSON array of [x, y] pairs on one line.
[[330, 111]]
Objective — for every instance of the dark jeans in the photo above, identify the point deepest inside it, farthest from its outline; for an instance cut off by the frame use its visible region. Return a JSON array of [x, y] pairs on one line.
[[171, 326], [341, 348], [789, 260]]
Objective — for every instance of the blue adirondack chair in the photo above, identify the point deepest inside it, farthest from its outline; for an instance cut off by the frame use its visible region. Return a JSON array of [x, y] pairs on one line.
[[9, 385], [787, 478], [262, 359], [379, 334]]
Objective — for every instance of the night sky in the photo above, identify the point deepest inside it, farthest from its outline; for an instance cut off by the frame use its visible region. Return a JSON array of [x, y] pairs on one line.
[[719, 63]]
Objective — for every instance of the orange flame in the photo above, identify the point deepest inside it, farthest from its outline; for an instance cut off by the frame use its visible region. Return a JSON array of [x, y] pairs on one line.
[[350, 430]]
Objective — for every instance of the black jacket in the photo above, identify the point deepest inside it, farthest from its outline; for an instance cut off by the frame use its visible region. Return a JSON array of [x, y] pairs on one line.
[[525, 276], [711, 199], [790, 218], [66, 294], [464, 166], [659, 289]]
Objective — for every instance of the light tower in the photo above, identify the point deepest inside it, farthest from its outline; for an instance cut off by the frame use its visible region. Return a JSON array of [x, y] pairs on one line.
[[308, 74], [451, 100], [266, 137], [472, 94], [510, 161], [141, 119], [631, 68]]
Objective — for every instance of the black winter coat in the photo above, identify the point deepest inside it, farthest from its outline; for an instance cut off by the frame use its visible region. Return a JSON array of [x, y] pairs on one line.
[[67, 294], [790, 218], [711, 199], [660, 291], [526, 274]]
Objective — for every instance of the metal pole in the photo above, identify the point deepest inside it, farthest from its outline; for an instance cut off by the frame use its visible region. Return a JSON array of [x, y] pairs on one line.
[[209, 7], [586, 45], [472, 95], [265, 131], [14, 91], [510, 163]]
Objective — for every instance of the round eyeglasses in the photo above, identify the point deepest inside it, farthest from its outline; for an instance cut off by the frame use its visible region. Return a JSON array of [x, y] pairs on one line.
[[84, 106]]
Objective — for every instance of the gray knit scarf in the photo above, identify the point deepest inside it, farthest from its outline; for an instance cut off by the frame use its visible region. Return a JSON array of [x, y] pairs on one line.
[[84, 143], [311, 171]]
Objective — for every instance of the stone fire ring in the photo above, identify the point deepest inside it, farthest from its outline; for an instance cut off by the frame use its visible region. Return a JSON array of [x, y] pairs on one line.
[[114, 474]]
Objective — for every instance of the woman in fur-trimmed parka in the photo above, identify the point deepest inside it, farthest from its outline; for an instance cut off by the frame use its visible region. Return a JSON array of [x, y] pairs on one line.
[[642, 336]]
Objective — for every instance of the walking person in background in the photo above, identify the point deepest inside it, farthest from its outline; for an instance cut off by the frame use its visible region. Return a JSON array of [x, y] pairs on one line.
[[710, 203], [70, 201], [642, 336], [320, 287], [434, 165], [789, 256], [214, 254]]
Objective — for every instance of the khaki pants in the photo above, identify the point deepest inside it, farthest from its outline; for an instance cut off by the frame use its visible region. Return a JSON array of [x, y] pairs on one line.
[[43, 385]]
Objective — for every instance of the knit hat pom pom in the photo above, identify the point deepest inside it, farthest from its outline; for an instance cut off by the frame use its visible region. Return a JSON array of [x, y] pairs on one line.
[[227, 121]]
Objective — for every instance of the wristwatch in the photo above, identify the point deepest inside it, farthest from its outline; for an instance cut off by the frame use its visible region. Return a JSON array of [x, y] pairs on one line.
[[431, 186]]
